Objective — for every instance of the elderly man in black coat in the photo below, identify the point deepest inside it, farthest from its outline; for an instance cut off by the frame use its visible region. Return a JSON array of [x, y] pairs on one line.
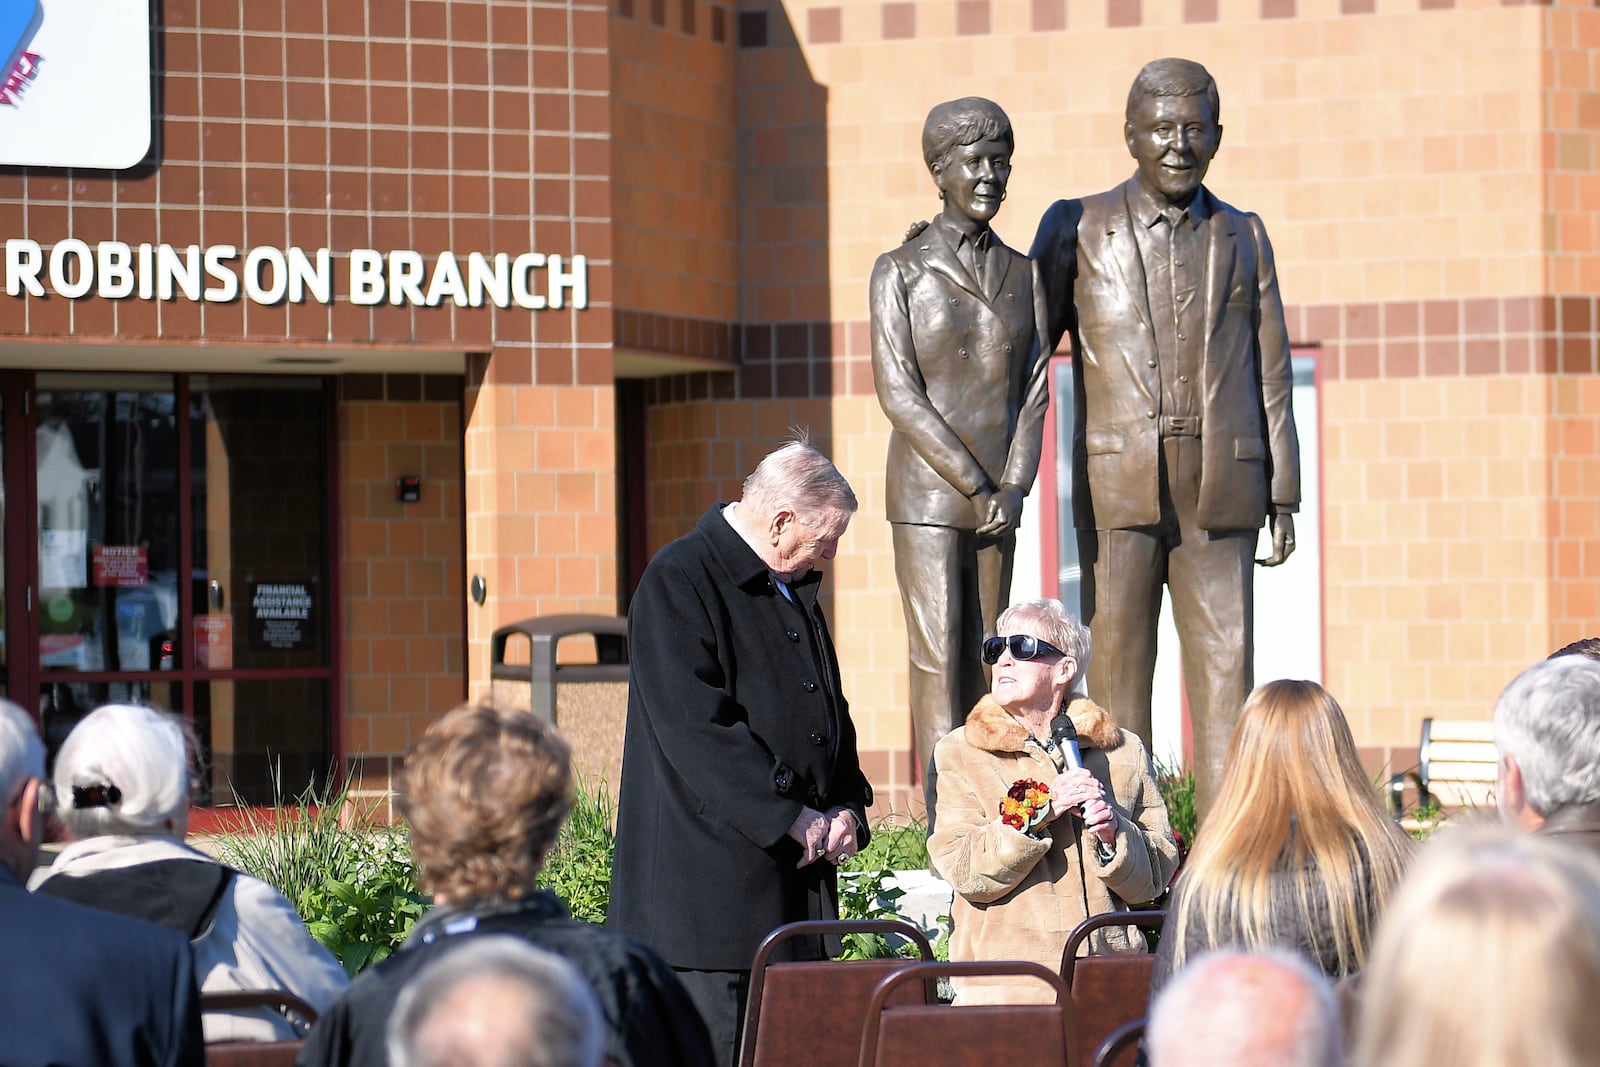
[[741, 789]]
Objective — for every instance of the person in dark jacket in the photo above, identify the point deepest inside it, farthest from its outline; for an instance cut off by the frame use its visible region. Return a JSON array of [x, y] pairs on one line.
[[81, 988], [1547, 731], [485, 793], [741, 789]]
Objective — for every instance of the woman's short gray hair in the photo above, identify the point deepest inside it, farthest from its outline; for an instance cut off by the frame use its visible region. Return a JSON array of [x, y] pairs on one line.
[[1051, 620], [123, 769]]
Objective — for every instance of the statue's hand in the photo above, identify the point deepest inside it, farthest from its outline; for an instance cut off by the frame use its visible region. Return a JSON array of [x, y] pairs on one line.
[[1282, 540], [1005, 511], [914, 229], [981, 506]]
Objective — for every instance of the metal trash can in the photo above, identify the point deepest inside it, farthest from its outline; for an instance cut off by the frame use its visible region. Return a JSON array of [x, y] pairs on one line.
[[587, 701]]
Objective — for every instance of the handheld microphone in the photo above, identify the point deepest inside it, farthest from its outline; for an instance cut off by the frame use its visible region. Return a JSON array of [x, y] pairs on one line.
[[1065, 736]]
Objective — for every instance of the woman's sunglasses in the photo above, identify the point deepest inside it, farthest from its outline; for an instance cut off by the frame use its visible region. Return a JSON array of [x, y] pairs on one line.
[[1023, 646]]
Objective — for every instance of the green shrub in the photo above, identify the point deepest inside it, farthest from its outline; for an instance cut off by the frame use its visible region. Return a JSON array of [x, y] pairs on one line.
[[355, 889], [578, 869], [1177, 790]]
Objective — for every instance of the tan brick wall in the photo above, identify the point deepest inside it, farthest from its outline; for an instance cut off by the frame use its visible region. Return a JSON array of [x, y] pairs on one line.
[[403, 644]]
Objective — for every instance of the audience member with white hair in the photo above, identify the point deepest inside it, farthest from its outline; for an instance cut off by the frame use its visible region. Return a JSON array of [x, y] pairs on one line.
[[1547, 732], [79, 988], [496, 1001], [1489, 955], [122, 790], [1267, 1008]]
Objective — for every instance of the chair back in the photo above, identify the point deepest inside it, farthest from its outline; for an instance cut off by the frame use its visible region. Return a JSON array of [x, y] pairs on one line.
[[810, 1014], [915, 1035], [1110, 990], [252, 1053], [255, 1053], [1121, 1046]]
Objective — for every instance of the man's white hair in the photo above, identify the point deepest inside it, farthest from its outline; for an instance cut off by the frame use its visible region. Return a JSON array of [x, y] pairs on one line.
[[451, 1013], [21, 751], [1548, 719], [1265, 1008]]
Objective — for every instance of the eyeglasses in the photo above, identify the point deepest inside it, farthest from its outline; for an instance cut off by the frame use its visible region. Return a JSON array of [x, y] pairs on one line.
[[1023, 646]]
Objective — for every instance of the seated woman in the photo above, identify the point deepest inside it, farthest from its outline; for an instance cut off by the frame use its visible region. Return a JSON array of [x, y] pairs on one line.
[[122, 790], [1489, 955], [1297, 851], [1031, 845]]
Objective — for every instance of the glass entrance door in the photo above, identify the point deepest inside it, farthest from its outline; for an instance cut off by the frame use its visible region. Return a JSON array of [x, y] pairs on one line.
[[180, 534]]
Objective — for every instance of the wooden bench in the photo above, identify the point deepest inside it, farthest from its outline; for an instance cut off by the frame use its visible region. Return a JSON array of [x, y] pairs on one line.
[[1456, 767]]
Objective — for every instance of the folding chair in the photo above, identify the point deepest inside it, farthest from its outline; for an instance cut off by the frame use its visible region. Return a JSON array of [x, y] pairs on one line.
[[1111, 989], [254, 1053], [810, 1014], [981, 1035]]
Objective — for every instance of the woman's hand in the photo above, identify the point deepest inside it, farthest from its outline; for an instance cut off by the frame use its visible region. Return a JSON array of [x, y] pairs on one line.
[[1073, 789], [1100, 820]]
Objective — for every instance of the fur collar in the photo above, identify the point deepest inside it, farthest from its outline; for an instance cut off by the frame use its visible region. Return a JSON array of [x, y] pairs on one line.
[[993, 729]]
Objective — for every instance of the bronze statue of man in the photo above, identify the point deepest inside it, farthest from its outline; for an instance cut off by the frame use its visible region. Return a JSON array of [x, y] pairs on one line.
[[1185, 443], [957, 321]]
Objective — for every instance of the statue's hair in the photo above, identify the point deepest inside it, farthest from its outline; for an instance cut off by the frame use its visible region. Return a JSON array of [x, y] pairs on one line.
[[1174, 77], [965, 121]]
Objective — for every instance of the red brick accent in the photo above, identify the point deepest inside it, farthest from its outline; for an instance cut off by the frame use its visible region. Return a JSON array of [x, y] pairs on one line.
[[823, 25], [1123, 13], [899, 21], [1049, 15], [972, 18]]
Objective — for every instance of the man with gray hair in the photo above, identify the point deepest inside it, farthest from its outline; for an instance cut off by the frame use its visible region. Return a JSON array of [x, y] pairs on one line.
[[1547, 732], [741, 788], [1268, 1008], [496, 1001], [81, 988]]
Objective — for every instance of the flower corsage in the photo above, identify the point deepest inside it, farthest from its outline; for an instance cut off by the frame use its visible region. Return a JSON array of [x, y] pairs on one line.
[[1026, 806]]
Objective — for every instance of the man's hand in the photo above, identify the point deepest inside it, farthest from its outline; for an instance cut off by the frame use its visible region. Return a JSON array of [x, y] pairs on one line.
[[1005, 511], [842, 842], [1282, 540], [811, 829]]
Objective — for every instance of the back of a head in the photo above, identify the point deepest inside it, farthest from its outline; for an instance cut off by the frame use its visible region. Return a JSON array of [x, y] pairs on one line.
[[1583, 646], [1294, 805], [496, 1001], [485, 792], [1548, 719], [123, 769], [21, 750], [1489, 955], [1239, 1009]]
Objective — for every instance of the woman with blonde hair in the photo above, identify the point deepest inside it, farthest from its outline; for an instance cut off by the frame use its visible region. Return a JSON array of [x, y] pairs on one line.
[[1297, 852], [1488, 956]]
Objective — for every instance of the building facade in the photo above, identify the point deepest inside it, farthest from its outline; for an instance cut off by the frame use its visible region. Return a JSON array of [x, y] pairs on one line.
[[403, 294]]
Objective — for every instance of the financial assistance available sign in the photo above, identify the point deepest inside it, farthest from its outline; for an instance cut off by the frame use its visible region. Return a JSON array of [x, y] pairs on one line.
[[74, 83]]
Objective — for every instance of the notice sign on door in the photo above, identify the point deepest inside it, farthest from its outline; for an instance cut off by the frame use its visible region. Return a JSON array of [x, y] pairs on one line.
[[121, 565], [213, 642], [281, 615]]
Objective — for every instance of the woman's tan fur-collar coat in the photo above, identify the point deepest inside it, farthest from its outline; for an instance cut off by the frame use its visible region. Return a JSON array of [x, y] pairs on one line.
[[1017, 898]]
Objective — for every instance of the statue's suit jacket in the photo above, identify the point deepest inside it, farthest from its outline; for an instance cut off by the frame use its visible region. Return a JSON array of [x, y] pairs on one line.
[[960, 372], [1088, 258]]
